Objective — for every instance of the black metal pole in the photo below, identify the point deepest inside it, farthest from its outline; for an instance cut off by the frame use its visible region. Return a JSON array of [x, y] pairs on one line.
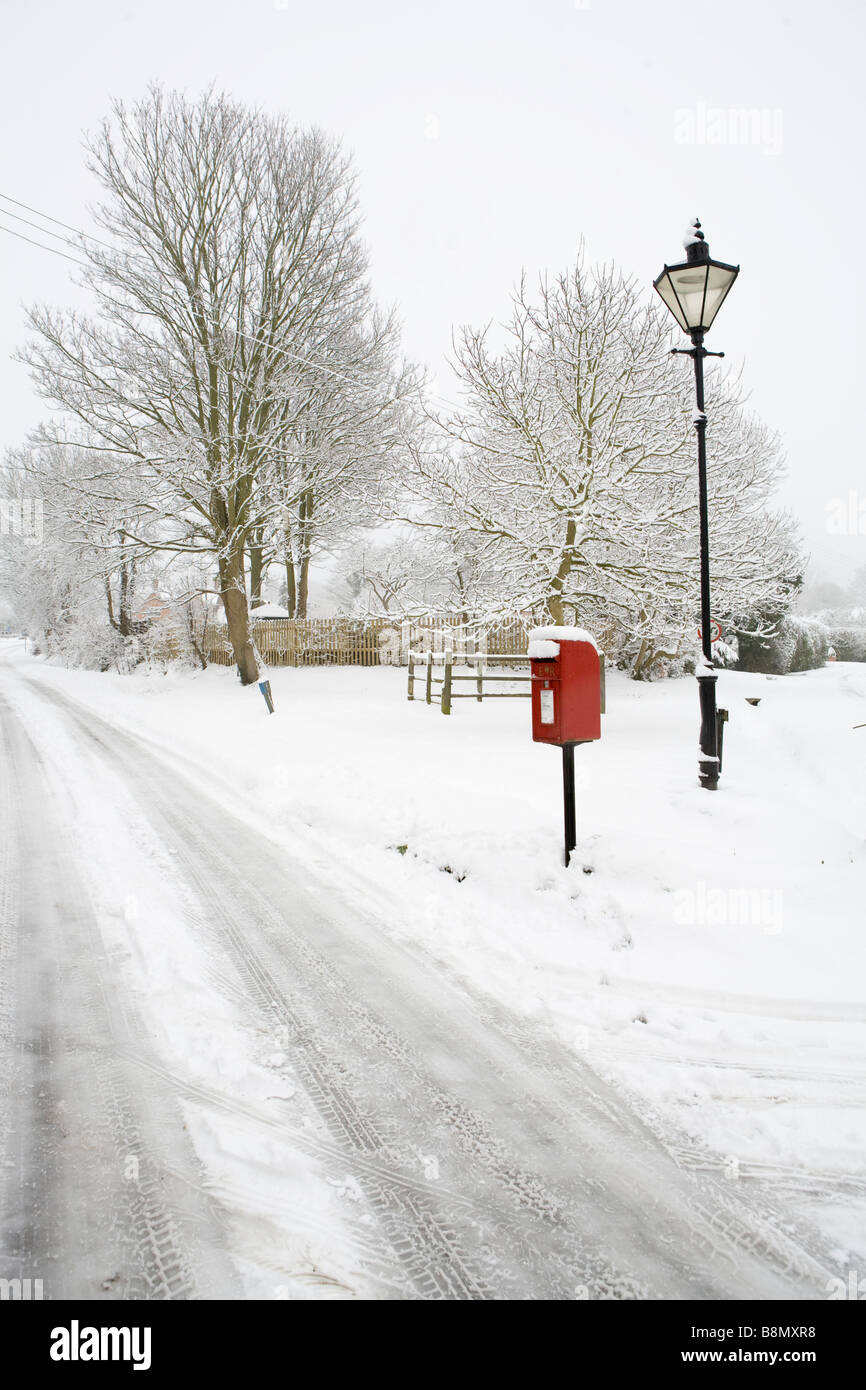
[[568, 800], [708, 765]]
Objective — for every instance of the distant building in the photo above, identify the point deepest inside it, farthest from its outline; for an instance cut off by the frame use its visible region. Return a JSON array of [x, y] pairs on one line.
[[155, 608]]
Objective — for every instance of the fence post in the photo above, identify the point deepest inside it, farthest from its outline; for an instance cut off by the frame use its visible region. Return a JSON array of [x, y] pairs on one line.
[[445, 700], [479, 677], [411, 694], [430, 675]]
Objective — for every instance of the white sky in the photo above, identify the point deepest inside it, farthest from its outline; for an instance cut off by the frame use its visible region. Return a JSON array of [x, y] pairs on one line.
[[492, 136]]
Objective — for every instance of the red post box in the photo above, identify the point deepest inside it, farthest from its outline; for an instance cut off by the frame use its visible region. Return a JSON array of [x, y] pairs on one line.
[[566, 685]]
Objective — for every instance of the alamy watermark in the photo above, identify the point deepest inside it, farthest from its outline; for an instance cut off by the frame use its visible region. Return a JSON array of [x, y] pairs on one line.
[[20, 1290], [22, 516], [853, 1287], [758, 127], [77, 1343], [846, 516], [705, 906]]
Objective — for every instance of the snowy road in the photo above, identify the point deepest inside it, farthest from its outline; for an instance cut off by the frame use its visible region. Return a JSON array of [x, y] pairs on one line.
[[155, 948]]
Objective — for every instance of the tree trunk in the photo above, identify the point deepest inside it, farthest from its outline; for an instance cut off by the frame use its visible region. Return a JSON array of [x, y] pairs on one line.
[[124, 601], [234, 597], [123, 622], [461, 589], [197, 647], [291, 588], [305, 518], [111, 617], [557, 584], [639, 661], [303, 586], [256, 570]]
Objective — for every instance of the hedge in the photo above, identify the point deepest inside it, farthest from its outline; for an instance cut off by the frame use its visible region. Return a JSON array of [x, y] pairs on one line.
[[800, 644]]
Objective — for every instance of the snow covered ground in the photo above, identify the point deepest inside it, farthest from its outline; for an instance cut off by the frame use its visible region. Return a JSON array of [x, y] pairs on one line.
[[704, 952]]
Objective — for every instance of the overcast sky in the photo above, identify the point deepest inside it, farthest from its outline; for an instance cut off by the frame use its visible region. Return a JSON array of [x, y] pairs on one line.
[[489, 137]]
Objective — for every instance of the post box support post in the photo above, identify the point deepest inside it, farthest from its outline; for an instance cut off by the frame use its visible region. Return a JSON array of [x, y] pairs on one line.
[[568, 800]]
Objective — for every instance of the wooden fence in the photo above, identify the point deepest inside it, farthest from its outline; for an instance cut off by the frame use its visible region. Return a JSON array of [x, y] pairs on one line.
[[425, 667], [366, 642], [439, 688]]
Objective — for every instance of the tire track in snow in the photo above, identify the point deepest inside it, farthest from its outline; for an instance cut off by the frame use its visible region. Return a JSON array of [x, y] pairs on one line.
[[87, 1204], [423, 1238], [593, 1197]]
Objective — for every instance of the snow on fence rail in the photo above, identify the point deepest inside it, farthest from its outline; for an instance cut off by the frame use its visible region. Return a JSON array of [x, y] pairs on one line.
[[439, 689], [367, 642]]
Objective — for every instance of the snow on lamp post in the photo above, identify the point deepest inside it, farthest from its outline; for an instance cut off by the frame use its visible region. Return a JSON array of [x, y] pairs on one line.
[[694, 291]]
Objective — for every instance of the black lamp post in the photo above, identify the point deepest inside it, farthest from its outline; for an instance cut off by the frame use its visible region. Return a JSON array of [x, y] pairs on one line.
[[694, 291]]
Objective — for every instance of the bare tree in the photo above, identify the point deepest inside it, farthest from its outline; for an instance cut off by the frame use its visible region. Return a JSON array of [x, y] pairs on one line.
[[569, 476], [232, 246], [341, 449]]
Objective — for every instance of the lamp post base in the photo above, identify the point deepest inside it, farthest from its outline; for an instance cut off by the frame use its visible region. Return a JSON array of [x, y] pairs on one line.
[[709, 765]]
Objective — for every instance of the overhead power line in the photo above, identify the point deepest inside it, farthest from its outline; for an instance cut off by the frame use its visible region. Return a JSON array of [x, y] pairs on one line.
[[248, 337], [56, 220], [283, 352], [42, 246], [46, 231]]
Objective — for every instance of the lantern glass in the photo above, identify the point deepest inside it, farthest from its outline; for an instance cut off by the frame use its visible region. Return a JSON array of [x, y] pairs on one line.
[[695, 291]]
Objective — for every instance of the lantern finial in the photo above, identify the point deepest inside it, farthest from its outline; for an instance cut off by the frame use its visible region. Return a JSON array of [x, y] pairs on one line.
[[695, 243]]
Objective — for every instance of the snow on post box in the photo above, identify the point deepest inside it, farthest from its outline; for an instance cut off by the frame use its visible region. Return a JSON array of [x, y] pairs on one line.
[[566, 685]]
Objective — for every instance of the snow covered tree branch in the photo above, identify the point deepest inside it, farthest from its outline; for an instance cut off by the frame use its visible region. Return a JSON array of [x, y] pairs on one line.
[[569, 474]]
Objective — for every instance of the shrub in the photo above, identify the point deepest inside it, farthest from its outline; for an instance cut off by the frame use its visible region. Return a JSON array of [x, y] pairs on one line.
[[800, 644], [849, 643]]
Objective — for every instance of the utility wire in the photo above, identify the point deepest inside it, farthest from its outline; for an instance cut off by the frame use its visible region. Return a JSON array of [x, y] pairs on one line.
[[248, 337], [52, 249], [56, 220], [46, 231], [304, 361]]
